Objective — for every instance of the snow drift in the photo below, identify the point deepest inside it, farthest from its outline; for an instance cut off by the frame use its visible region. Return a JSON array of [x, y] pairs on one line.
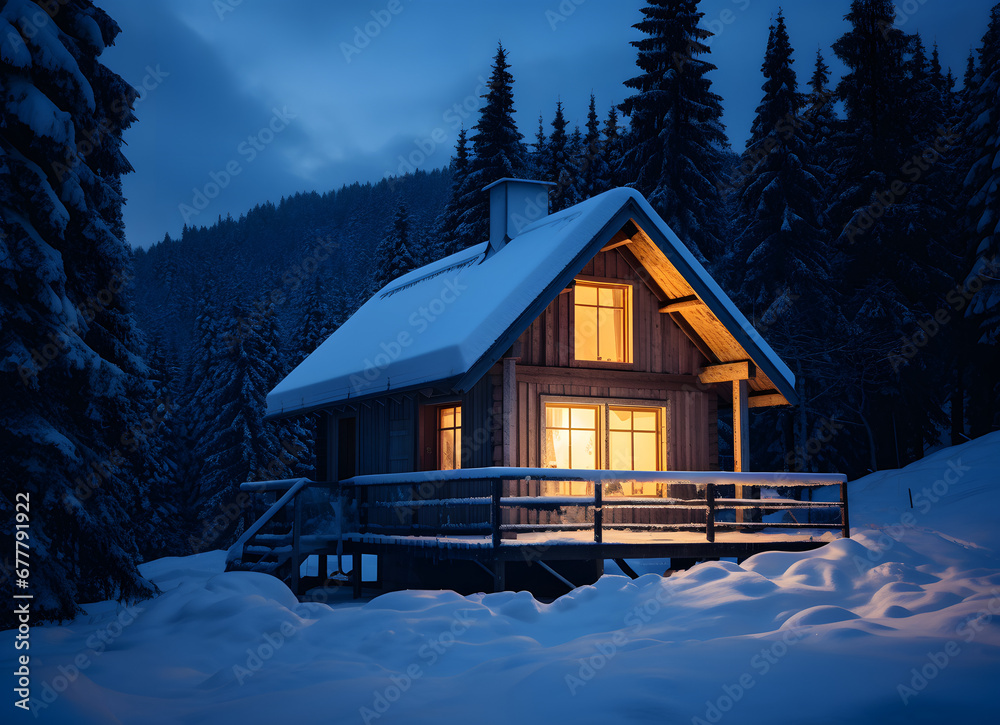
[[898, 624]]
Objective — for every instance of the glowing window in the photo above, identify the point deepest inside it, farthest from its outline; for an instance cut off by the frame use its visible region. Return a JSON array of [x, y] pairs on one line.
[[571, 436], [634, 439], [603, 327], [450, 438]]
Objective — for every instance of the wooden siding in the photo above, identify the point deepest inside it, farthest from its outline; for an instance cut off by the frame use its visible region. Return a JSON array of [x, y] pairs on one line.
[[387, 435], [658, 344]]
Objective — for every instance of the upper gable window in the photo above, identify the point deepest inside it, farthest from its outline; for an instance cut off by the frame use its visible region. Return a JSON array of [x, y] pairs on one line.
[[603, 326]]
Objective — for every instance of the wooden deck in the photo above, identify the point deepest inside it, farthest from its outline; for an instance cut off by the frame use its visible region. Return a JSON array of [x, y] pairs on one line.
[[419, 521]]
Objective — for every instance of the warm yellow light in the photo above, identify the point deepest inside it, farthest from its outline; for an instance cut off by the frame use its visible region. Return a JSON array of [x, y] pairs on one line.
[[450, 438], [602, 328]]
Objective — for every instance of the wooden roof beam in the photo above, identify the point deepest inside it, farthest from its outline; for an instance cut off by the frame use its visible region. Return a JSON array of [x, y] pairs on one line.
[[728, 372], [679, 305], [766, 399], [618, 240]]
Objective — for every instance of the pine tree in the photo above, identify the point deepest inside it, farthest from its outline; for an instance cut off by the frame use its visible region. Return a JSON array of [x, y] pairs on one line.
[[451, 237], [238, 445], [612, 146], [982, 228], [822, 120], [314, 328], [70, 348], [394, 257], [539, 152], [970, 74], [893, 272], [558, 157], [782, 249], [673, 151], [498, 150], [596, 170]]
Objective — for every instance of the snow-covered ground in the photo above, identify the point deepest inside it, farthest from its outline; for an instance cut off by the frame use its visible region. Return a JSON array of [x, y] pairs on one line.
[[898, 624]]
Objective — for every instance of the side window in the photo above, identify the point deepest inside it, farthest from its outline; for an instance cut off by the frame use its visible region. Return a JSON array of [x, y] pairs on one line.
[[449, 438]]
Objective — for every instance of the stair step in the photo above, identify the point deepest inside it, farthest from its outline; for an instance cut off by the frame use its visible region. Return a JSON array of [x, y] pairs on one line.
[[272, 539]]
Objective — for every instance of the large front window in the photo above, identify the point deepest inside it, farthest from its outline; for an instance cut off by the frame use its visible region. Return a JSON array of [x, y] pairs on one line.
[[616, 437], [603, 324], [605, 436], [571, 436], [634, 439]]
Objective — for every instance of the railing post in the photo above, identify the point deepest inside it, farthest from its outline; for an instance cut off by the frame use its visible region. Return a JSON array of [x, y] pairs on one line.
[[361, 496], [496, 517], [844, 509], [296, 534], [598, 512], [710, 517]]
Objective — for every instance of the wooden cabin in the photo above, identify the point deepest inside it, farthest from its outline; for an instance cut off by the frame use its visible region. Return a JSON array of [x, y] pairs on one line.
[[554, 390]]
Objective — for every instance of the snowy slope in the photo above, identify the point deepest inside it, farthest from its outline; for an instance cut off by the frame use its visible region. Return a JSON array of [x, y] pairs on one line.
[[897, 624]]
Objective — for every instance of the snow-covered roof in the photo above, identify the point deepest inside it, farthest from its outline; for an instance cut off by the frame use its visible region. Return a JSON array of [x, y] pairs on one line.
[[447, 323]]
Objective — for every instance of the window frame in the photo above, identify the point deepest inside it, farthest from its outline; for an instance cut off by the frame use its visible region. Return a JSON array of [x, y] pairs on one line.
[[629, 342], [456, 435], [662, 407], [429, 439]]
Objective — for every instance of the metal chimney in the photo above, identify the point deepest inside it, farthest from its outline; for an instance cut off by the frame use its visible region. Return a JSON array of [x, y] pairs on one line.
[[514, 204]]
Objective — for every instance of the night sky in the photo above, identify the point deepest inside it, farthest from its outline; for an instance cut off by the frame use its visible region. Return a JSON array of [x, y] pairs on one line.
[[287, 96]]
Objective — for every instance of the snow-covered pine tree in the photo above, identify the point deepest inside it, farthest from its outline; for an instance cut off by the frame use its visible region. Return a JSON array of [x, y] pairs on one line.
[[595, 167], [822, 118], [69, 347], [498, 150], [888, 211], [612, 146], [394, 257], [673, 149], [162, 525], [982, 191], [571, 177], [558, 159], [970, 74], [782, 250], [538, 159], [314, 305], [451, 238], [238, 445]]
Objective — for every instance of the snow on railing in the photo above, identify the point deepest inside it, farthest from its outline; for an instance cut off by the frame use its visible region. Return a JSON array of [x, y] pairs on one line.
[[426, 496], [510, 473]]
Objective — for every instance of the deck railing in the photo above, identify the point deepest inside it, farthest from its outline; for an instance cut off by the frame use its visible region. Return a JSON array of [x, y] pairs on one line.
[[307, 517], [480, 501]]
